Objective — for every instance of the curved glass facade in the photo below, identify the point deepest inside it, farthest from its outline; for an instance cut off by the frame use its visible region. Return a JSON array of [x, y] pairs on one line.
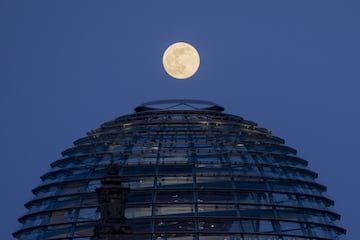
[[193, 172]]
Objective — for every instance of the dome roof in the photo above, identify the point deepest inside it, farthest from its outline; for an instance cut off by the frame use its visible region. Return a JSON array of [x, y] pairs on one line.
[[192, 172], [179, 104]]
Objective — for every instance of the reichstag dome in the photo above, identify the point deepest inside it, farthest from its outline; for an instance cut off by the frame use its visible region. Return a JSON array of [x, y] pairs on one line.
[[185, 171]]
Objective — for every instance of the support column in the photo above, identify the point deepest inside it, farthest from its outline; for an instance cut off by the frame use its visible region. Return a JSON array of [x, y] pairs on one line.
[[112, 198]]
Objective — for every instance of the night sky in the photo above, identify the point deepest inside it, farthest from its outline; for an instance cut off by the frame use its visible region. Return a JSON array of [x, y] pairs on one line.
[[68, 66]]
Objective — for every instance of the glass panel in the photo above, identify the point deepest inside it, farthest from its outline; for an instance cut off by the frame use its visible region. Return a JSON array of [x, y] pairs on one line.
[[293, 228], [66, 202], [285, 199], [135, 212], [209, 161], [138, 171], [175, 209], [174, 226], [209, 171], [256, 211], [245, 197], [86, 214], [58, 231], [266, 227], [211, 182], [83, 232], [223, 226], [249, 225], [83, 229], [246, 170], [178, 236], [174, 160], [245, 158], [62, 216], [32, 234], [92, 185], [78, 174], [251, 184], [47, 191], [89, 201], [35, 220], [141, 225], [39, 206], [144, 182], [175, 182], [140, 197], [73, 187], [290, 213], [141, 161], [215, 196], [174, 196], [261, 197], [175, 169], [226, 210]]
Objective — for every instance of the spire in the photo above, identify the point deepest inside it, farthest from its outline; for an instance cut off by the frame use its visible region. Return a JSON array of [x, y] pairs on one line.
[[112, 198]]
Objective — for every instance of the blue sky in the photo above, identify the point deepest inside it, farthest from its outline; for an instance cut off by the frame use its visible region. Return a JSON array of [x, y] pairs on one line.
[[68, 66]]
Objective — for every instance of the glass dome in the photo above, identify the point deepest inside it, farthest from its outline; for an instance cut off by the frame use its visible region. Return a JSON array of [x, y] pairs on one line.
[[193, 172]]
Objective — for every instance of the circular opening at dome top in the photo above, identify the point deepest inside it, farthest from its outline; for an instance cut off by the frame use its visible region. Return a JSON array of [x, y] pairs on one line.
[[179, 104]]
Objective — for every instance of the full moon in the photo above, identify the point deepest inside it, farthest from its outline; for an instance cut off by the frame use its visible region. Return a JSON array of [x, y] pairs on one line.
[[181, 60]]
